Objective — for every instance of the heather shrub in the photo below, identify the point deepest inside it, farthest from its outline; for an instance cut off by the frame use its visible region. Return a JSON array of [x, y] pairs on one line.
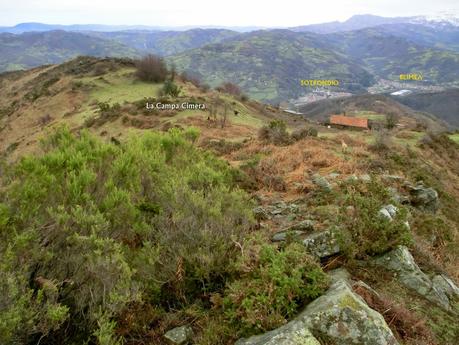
[[363, 230], [275, 132], [89, 228], [271, 285]]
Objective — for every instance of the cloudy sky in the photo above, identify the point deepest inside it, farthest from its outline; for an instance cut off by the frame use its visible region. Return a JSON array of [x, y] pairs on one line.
[[210, 12]]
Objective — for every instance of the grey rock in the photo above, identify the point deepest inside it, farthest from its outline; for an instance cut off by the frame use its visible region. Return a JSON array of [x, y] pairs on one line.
[[283, 235], [383, 213], [423, 197], [397, 197], [322, 183], [340, 314], [391, 209], [339, 274], [346, 319], [294, 230], [365, 178], [304, 225], [322, 244], [260, 213], [388, 212], [445, 284], [401, 262], [179, 335], [293, 333]]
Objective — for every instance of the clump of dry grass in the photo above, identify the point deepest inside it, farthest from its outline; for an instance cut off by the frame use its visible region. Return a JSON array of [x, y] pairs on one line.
[[410, 328]]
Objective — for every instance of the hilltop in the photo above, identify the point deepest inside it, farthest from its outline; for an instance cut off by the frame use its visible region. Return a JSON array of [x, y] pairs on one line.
[[42, 98], [122, 224]]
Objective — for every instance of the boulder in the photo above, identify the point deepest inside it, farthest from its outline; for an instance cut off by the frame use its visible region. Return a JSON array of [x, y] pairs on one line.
[[401, 262], [343, 317], [322, 183], [397, 197], [423, 197], [340, 316], [260, 213], [388, 212], [284, 234], [322, 244], [293, 333], [179, 335], [304, 225]]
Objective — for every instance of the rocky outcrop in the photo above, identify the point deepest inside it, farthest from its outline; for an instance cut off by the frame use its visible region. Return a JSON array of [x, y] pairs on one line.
[[423, 197], [344, 317], [293, 333], [439, 290], [322, 183], [179, 335], [340, 316], [295, 230], [322, 244]]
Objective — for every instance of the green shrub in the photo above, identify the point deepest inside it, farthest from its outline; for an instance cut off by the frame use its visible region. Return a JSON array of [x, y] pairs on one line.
[[91, 227], [363, 230], [275, 132], [171, 89], [271, 286]]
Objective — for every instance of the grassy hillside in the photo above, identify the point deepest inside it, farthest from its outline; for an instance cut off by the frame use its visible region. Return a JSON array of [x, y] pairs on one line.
[[269, 65], [36, 100], [444, 105], [41, 48]]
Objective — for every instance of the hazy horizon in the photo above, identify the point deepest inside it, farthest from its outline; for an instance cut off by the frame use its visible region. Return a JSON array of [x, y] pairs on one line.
[[238, 13]]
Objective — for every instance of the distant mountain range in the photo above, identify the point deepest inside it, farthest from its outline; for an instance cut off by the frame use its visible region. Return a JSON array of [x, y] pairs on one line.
[[32, 49], [267, 64], [363, 21], [40, 27]]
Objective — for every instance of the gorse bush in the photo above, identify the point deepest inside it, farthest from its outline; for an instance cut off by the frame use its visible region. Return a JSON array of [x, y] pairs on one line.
[[271, 286], [91, 227]]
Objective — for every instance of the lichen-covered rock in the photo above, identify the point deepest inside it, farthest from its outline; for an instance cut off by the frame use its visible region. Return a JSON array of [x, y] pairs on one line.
[[401, 262], [340, 315], [322, 183], [283, 235], [339, 274], [293, 333], [423, 197], [445, 284], [343, 317], [304, 225], [260, 213], [179, 335], [322, 244]]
